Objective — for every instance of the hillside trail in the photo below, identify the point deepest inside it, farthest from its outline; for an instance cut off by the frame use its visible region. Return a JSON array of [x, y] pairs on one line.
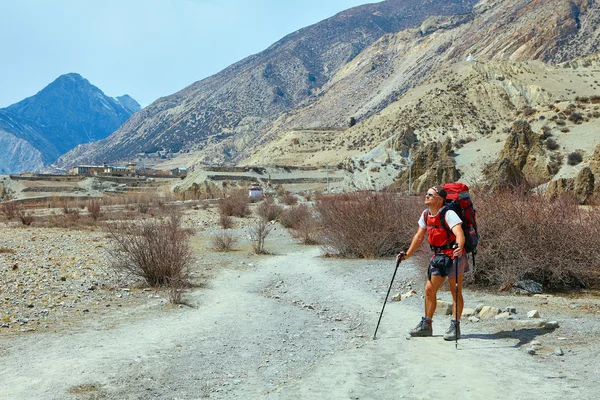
[[288, 326]]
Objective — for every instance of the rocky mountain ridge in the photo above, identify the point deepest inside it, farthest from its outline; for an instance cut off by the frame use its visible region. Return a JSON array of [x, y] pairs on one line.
[[411, 86], [67, 112]]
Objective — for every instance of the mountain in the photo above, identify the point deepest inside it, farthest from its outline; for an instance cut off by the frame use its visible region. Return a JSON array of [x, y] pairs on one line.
[[246, 96], [64, 114], [397, 69]]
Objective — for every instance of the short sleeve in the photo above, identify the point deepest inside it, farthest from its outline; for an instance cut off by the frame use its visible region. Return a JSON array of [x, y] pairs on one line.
[[452, 219], [422, 223]]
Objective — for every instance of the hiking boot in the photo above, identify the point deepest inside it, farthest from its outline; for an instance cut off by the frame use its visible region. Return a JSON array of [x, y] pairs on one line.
[[453, 333], [423, 329]]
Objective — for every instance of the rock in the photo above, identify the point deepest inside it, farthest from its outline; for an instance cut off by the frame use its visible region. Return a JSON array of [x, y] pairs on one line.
[[529, 323], [473, 319], [511, 310], [551, 325], [397, 297], [502, 315], [529, 286], [558, 351], [531, 351], [533, 314], [443, 307], [488, 312], [478, 308], [408, 294], [584, 185], [468, 312]]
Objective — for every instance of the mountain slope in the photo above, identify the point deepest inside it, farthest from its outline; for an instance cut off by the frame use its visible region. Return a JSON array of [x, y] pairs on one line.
[[67, 112], [244, 97], [230, 116]]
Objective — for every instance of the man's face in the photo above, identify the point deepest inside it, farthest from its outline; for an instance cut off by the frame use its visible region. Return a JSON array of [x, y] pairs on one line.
[[432, 198]]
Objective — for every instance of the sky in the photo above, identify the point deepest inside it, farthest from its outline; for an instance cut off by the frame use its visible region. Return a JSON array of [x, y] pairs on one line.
[[144, 48]]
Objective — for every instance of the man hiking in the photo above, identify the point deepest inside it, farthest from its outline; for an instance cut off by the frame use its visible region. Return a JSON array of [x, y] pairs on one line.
[[447, 240]]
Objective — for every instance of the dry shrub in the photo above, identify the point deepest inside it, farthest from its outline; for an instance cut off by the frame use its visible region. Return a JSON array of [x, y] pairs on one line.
[[223, 241], [269, 211], [156, 250], [25, 217], [288, 198], [308, 230], [225, 221], [525, 236], [293, 216], [258, 231], [9, 209], [574, 158], [368, 224], [94, 209], [236, 204]]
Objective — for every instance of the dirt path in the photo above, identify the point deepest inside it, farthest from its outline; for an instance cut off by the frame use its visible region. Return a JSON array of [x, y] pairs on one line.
[[289, 326]]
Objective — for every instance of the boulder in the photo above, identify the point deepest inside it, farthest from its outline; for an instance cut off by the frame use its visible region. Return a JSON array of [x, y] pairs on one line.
[[529, 286], [488, 312], [584, 185], [443, 307]]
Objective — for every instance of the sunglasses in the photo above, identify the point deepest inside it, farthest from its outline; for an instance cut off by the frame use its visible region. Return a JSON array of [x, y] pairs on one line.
[[431, 195]]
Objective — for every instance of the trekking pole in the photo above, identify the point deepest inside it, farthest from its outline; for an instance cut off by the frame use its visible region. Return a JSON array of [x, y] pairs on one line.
[[456, 328], [386, 297]]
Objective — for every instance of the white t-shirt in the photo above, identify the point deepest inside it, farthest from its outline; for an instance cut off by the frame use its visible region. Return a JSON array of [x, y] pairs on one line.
[[452, 219]]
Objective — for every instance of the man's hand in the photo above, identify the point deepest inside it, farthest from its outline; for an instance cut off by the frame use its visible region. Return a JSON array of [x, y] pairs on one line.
[[458, 250], [402, 256]]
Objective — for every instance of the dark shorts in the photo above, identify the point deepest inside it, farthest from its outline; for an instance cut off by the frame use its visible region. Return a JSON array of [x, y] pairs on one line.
[[463, 266]]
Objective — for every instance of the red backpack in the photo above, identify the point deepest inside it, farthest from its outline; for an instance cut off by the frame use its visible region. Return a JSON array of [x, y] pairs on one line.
[[458, 200]]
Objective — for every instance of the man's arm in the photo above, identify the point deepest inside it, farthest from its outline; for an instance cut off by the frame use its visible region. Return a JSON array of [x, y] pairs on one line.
[[460, 239], [417, 240]]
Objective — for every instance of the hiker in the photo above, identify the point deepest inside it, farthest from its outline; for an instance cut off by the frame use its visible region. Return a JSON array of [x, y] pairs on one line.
[[447, 243]]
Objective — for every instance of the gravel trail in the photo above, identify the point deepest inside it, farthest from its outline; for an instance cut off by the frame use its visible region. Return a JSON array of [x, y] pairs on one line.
[[292, 325]]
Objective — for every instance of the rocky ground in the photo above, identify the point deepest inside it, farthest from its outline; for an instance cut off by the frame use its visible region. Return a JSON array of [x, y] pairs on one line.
[[291, 324]]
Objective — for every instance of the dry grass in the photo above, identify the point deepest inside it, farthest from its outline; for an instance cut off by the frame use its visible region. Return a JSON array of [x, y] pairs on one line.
[[225, 221], [527, 236], [7, 250], [368, 225]]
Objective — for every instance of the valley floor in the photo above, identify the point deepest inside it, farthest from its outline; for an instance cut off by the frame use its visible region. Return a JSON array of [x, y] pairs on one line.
[[296, 325]]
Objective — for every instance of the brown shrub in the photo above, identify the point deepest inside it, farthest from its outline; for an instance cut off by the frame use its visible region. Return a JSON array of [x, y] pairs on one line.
[[225, 221], [269, 211], [155, 250], [308, 230], [94, 209], [223, 242], [9, 209], [293, 216], [525, 236], [25, 217], [368, 224], [288, 198], [258, 231], [236, 204]]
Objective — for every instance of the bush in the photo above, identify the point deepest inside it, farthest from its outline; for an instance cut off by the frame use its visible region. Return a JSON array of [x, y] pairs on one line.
[[269, 211], [236, 204], [155, 250], [368, 224], [289, 198], [223, 242], [574, 158], [226, 221], [576, 118], [94, 210], [25, 216], [258, 231], [293, 216], [551, 144], [524, 236], [307, 230], [9, 209]]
